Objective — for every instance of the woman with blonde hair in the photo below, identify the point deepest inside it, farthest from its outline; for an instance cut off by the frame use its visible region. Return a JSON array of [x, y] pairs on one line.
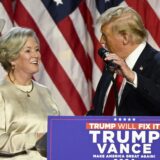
[[24, 103]]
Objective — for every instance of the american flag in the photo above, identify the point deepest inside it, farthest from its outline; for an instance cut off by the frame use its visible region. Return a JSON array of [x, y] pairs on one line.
[[69, 39]]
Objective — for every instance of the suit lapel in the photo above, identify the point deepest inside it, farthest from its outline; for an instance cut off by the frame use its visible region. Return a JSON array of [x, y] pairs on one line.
[[99, 97]]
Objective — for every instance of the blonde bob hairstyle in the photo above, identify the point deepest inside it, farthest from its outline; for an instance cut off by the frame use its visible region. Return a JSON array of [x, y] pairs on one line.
[[11, 43], [124, 20]]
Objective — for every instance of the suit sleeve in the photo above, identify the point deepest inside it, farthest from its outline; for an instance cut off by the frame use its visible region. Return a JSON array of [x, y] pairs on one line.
[[149, 86]]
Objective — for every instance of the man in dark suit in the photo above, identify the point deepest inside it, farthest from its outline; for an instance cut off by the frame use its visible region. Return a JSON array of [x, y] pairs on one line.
[[124, 36]]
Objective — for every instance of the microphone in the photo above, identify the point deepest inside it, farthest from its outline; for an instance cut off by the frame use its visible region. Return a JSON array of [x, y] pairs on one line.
[[103, 53]]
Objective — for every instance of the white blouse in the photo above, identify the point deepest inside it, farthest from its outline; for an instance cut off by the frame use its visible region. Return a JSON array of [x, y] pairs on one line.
[[22, 117]]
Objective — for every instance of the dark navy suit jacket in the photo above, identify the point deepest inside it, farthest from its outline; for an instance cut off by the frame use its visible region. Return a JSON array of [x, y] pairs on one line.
[[141, 101]]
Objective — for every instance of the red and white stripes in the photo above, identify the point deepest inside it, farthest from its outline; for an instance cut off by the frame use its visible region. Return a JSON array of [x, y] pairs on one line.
[[71, 67]]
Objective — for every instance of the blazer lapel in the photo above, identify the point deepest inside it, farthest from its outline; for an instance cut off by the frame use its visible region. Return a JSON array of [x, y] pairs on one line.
[[99, 97]]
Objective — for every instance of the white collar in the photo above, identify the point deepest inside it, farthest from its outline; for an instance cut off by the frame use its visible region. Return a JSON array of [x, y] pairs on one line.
[[132, 58]]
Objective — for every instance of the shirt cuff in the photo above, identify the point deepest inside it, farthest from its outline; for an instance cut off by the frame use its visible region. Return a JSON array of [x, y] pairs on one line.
[[134, 83]]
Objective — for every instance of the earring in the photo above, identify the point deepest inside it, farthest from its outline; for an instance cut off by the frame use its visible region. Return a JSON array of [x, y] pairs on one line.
[[13, 68]]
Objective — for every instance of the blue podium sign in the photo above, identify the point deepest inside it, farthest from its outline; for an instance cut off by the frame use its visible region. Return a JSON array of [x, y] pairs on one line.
[[98, 137]]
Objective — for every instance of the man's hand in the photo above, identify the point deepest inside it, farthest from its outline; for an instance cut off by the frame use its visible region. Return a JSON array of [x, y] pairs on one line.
[[122, 68]]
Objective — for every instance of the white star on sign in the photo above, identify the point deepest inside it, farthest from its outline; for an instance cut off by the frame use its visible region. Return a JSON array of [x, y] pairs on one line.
[[58, 2]]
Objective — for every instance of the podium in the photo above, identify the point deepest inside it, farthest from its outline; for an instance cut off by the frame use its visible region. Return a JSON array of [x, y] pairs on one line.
[[103, 137]]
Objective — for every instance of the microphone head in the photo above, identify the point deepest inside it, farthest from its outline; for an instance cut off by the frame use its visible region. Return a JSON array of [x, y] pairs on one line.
[[103, 52]]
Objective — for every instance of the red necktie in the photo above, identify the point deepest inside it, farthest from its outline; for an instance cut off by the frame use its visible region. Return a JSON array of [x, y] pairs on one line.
[[110, 104]]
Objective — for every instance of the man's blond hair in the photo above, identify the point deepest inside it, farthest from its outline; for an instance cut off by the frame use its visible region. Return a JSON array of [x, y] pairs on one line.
[[125, 20]]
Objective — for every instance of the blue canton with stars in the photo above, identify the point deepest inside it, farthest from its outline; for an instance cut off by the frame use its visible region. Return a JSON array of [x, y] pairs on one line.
[[103, 5]]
